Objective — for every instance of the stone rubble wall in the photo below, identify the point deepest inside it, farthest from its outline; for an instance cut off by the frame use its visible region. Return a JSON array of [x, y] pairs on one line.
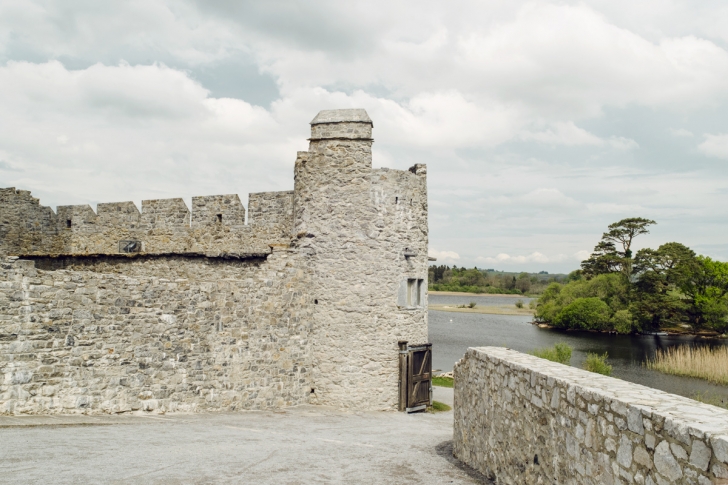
[[201, 334], [353, 224], [524, 420], [215, 226]]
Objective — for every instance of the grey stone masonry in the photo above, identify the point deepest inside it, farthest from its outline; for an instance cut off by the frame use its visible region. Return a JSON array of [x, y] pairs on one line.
[[520, 419], [302, 299], [215, 226], [364, 235], [154, 334]]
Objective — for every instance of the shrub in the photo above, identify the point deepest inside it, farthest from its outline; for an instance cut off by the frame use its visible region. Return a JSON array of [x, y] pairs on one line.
[[471, 304], [622, 321], [598, 363], [612, 289], [585, 313], [519, 304], [560, 353]]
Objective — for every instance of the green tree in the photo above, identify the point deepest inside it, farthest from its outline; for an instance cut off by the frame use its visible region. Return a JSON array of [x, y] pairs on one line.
[[706, 289], [586, 314], [657, 300], [523, 282], [624, 231], [607, 256]]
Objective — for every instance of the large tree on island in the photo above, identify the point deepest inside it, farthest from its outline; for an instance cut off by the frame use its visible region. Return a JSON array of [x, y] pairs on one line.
[[607, 258]]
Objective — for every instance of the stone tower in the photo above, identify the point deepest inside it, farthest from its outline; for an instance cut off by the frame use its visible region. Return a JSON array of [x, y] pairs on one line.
[[364, 233]]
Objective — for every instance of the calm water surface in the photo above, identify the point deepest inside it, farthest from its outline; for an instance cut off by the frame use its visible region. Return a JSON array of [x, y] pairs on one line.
[[452, 333]]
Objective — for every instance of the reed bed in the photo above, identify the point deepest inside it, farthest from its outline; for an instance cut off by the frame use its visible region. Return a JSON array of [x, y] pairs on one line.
[[706, 363]]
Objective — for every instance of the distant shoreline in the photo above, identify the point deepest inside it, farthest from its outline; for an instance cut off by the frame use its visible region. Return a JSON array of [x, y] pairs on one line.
[[490, 310], [462, 293]]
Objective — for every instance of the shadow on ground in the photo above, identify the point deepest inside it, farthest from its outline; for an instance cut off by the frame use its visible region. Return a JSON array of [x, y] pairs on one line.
[[444, 449]]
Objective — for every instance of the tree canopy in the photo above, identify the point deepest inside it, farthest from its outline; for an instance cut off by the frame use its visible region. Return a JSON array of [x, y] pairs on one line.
[[606, 257], [667, 287]]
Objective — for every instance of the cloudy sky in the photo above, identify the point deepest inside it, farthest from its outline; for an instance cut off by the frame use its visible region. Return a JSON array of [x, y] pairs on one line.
[[541, 122]]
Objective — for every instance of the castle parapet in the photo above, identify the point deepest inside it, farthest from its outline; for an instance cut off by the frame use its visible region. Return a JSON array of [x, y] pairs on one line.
[[271, 209], [118, 214], [165, 213], [76, 218], [217, 210], [215, 227]]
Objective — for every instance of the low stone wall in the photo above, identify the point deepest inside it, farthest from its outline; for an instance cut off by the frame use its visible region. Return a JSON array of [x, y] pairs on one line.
[[524, 420], [202, 334]]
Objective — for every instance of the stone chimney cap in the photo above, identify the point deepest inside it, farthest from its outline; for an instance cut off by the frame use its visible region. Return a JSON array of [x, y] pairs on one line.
[[341, 116]]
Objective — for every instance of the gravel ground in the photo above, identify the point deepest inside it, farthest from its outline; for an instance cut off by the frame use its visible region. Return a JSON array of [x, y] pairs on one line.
[[307, 444]]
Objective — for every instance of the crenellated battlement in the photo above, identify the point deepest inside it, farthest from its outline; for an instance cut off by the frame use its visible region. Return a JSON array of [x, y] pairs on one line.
[[215, 210], [215, 226]]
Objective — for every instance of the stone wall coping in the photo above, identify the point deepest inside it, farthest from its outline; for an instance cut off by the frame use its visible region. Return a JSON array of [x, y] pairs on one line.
[[341, 116], [690, 415]]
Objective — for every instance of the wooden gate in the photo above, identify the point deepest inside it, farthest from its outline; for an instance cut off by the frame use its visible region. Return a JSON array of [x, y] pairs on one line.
[[415, 377]]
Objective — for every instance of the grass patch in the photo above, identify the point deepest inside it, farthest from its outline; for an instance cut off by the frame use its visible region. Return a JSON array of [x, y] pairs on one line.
[[598, 363], [442, 381], [560, 353], [439, 407], [711, 398], [702, 362]]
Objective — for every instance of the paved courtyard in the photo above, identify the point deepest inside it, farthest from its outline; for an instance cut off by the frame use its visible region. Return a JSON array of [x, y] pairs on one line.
[[308, 444]]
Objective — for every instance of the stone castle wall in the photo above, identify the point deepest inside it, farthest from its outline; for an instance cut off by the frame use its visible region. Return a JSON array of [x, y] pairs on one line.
[[303, 302], [164, 334], [524, 420]]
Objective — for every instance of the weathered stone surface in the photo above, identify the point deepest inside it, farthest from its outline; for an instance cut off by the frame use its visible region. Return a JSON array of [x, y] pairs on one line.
[[666, 463], [300, 303], [700, 455], [638, 436]]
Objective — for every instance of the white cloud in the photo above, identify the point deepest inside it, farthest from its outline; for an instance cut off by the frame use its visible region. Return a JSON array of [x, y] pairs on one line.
[[150, 130], [622, 143], [581, 255], [568, 134], [534, 257], [564, 134], [715, 145], [681, 132], [551, 197], [443, 256]]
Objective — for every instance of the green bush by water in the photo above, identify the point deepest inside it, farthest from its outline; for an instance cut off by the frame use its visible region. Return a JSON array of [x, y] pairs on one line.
[[560, 353], [598, 363]]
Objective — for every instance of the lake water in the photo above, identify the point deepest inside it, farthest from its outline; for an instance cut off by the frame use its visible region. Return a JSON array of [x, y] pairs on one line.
[[452, 333]]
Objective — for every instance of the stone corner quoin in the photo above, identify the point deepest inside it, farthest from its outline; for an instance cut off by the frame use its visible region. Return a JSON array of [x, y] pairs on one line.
[[300, 298], [520, 419]]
